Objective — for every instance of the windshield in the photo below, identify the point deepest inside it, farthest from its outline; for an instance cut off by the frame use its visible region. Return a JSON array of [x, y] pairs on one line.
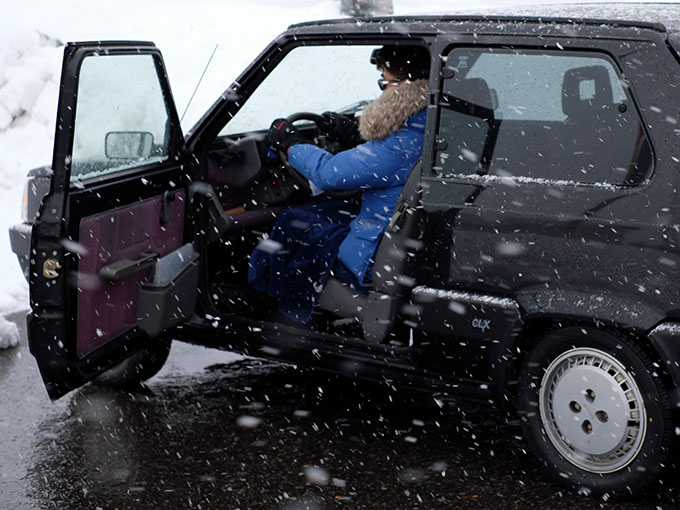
[[310, 79]]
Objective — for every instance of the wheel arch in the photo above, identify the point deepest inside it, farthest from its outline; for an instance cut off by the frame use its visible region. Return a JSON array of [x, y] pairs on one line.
[[658, 345]]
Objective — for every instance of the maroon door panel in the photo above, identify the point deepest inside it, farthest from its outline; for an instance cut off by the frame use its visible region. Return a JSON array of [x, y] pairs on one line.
[[107, 309]]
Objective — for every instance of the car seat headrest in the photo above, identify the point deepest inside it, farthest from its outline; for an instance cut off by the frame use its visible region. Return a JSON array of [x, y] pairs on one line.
[[474, 91], [586, 90]]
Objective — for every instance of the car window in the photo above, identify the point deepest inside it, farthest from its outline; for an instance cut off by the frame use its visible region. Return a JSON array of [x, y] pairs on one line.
[[310, 79], [561, 116], [121, 116]]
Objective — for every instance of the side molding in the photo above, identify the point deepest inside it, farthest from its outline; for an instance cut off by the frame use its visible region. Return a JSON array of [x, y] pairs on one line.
[[603, 306]]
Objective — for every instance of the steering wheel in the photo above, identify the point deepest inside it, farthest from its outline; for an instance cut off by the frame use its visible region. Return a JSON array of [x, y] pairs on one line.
[[294, 117], [300, 179]]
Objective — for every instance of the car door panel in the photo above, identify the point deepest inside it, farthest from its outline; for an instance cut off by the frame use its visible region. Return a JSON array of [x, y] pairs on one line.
[[107, 308], [545, 156]]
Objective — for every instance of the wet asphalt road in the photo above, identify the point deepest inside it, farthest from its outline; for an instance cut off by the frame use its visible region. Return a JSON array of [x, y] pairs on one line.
[[214, 431]]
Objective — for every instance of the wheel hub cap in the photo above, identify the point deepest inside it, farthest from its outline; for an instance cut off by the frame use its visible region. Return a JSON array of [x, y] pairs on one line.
[[592, 410]]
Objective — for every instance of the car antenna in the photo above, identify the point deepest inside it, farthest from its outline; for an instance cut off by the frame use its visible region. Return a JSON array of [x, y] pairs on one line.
[[199, 83]]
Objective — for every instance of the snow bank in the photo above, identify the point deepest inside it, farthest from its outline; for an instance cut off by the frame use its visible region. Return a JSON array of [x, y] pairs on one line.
[[9, 334], [29, 73]]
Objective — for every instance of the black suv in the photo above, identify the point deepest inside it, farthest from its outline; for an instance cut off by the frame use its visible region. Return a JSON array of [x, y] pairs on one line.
[[530, 263]]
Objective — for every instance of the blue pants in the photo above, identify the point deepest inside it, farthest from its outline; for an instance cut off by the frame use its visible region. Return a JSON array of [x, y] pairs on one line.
[[294, 264]]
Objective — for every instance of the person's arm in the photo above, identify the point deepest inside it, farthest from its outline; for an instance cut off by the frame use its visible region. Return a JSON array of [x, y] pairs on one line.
[[368, 165]]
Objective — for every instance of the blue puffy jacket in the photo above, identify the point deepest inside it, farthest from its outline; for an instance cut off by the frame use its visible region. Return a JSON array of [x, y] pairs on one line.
[[379, 168]]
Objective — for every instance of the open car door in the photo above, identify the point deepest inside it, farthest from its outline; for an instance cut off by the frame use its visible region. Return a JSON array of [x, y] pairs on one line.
[[111, 271]]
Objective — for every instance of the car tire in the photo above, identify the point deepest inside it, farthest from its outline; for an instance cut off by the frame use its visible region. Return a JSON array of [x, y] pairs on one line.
[[594, 411], [136, 369]]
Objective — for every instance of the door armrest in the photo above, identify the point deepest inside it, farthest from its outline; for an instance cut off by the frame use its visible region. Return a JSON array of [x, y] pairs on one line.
[[125, 267]]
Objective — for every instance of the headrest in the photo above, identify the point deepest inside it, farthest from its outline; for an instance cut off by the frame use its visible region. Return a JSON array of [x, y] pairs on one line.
[[474, 91], [586, 89]]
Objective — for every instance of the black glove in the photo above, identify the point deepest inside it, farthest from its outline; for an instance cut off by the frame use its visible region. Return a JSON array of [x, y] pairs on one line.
[[283, 135], [343, 128]]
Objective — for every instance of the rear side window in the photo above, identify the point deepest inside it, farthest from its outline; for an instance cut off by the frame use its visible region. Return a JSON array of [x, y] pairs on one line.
[[558, 116]]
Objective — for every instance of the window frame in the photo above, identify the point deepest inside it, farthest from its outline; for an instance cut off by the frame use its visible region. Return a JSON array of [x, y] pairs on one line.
[[207, 130], [611, 50]]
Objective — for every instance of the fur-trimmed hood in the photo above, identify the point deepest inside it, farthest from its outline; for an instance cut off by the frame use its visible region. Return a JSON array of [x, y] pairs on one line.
[[392, 109]]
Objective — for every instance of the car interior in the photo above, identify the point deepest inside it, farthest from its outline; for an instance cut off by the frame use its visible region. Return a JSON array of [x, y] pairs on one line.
[[247, 191], [247, 188]]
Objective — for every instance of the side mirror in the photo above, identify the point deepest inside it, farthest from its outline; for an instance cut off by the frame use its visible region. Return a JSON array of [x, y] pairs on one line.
[[128, 145]]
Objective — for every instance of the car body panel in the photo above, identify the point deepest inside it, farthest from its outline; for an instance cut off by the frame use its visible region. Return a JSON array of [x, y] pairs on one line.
[[37, 186], [551, 233]]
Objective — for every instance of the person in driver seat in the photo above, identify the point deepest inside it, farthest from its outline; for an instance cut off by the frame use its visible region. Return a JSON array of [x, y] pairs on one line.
[[339, 237]]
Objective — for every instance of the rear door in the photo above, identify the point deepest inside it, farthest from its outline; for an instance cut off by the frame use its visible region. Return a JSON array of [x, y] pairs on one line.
[[537, 147], [115, 208]]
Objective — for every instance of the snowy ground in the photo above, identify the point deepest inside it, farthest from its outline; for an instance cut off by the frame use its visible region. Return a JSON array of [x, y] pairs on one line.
[[32, 34]]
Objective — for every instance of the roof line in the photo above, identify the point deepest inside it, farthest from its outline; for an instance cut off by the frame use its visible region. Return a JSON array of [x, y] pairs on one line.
[[659, 27]]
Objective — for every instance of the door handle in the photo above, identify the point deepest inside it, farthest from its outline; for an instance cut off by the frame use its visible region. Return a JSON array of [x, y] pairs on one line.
[[125, 267]]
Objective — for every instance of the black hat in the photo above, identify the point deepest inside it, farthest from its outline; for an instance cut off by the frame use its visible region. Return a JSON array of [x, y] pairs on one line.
[[411, 62]]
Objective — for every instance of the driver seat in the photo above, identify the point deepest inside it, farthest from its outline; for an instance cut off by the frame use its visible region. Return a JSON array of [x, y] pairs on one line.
[[393, 273]]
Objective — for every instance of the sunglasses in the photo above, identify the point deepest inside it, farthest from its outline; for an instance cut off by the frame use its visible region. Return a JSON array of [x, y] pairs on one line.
[[383, 83]]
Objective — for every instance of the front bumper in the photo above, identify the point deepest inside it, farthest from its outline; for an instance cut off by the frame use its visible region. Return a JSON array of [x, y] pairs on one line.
[[20, 241]]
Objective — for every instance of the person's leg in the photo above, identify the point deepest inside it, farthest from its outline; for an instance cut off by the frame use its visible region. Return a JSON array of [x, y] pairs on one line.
[[342, 273], [292, 236], [294, 263]]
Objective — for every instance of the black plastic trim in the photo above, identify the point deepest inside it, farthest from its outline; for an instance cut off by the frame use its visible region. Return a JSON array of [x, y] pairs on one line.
[[658, 27]]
